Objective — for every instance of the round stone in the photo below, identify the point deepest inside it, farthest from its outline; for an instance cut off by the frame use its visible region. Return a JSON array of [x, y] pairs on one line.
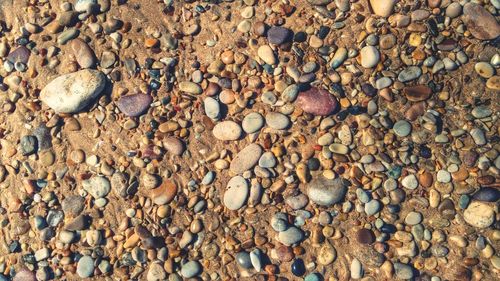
[[267, 160], [410, 181], [191, 269], [134, 105], [365, 236], [163, 194], [266, 53], [484, 69], [212, 108], [403, 271], [252, 122], [277, 121], [290, 236], [317, 102], [85, 267], [443, 176], [227, 130], [98, 187], [370, 56], [246, 159], [402, 128], [326, 192], [479, 215], [480, 22], [243, 260], [413, 218], [382, 8], [372, 207], [236, 193], [278, 35]]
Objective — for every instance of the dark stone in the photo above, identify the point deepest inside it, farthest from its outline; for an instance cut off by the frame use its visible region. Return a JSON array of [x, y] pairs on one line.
[[480, 22], [243, 260], [154, 242], [317, 102], [79, 223], [487, 194], [134, 105], [365, 236], [278, 35], [42, 134], [28, 145], [298, 267], [73, 205], [21, 54]]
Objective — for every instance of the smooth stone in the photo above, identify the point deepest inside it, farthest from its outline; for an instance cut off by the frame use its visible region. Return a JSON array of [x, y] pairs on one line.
[[84, 5], [278, 35], [317, 102], [493, 83], [255, 258], [410, 73], [98, 186], [84, 55], [383, 82], [163, 194], [402, 128], [227, 130], [73, 205], [403, 271], [243, 260], [236, 193], [156, 272], [453, 10], [246, 159], [85, 267], [443, 176], [413, 218], [481, 111], [313, 277], [191, 269], [410, 181], [480, 22], [484, 69], [174, 145], [479, 215], [190, 87], [339, 57], [297, 202], [370, 56], [365, 236], [487, 194], [356, 269], [372, 207], [24, 274], [290, 93], [290, 236], [298, 268], [28, 145], [383, 8], [252, 122], [70, 93], [212, 108], [108, 59], [267, 160], [338, 148], [417, 93], [277, 121], [325, 192], [478, 136], [266, 53], [134, 105], [20, 54]]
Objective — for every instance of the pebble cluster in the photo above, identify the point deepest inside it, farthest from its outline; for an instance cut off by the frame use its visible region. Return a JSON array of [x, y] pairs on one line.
[[250, 140]]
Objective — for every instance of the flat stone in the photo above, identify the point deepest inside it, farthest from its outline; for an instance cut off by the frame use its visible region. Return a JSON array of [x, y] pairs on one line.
[[236, 193], [478, 136], [134, 105], [365, 236], [190, 87], [83, 53], [163, 194], [252, 122], [212, 108], [487, 194], [266, 53], [317, 102], [85, 267], [479, 215], [277, 121], [191, 269], [383, 8], [413, 218], [256, 259], [267, 160], [417, 93], [73, 205], [370, 56], [484, 69], [28, 145], [156, 272], [480, 22], [291, 236], [278, 35], [227, 130], [246, 159], [325, 192], [372, 207], [97, 186], [402, 128], [410, 181], [410, 73], [174, 145], [70, 93], [20, 54], [403, 271], [297, 202]]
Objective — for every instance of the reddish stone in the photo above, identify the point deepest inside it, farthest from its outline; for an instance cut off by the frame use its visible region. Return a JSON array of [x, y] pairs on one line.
[[317, 102], [416, 110], [134, 105], [21, 54], [164, 194], [365, 236], [480, 22], [24, 275], [417, 93]]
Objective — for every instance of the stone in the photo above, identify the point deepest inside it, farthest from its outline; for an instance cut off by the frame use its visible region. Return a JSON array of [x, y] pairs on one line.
[[410, 73], [291, 236], [156, 272], [277, 121], [479, 215], [267, 160], [212, 108], [255, 258], [402, 128], [383, 8], [84, 55], [20, 54], [325, 192], [370, 56], [417, 93], [85, 267], [410, 181], [97, 187], [339, 57], [236, 193], [24, 274], [246, 159], [73, 205], [252, 122], [478, 136], [278, 35], [174, 145], [28, 145], [191, 269], [356, 269], [487, 194], [453, 10], [365, 236], [134, 105], [484, 69], [413, 218], [266, 53], [493, 83], [317, 102], [190, 87], [71, 93], [480, 22], [326, 254], [163, 194], [403, 271], [243, 260], [227, 130], [297, 202], [372, 207]]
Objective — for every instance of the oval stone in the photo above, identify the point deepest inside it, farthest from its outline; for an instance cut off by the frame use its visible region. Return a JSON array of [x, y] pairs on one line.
[[317, 102], [236, 194], [326, 192], [227, 130], [134, 105], [246, 159], [480, 22]]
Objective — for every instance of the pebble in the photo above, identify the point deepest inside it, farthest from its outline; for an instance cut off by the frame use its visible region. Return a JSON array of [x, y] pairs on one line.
[[356, 269], [252, 122], [267, 54], [85, 267], [410, 182], [190, 87], [24, 274], [410, 73], [478, 136], [191, 269], [317, 102], [383, 8], [134, 105], [480, 22], [417, 93], [212, 108], [291, 236], [227, 130], [236, 193], [403, 271], [20, 54], [246, 159], [28, 145], [71, 93], [277, 121], [413, 218], [83, 53], [255, 258], [267, 160], [243, 260], [278, 35], [402, 128], [326, 192], [479, 215], [370, 56], [98, 186], [484, 69], [164, 194]]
